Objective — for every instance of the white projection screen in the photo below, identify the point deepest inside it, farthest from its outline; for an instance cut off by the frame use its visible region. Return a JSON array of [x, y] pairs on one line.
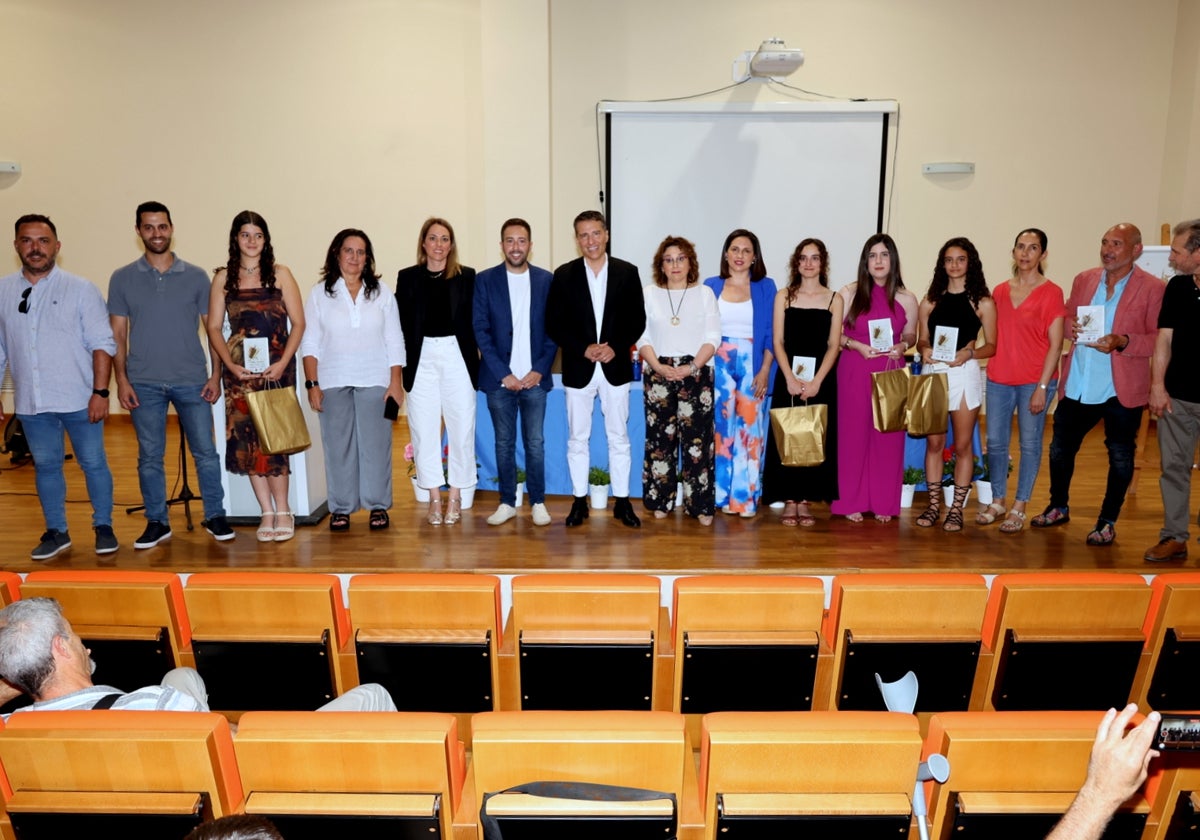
[[785, 171]]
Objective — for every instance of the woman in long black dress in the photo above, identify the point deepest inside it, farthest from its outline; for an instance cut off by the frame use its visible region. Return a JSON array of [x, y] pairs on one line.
[[808, 323]]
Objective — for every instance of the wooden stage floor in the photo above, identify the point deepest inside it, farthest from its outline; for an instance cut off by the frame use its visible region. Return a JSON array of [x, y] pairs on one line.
[[673, 546]]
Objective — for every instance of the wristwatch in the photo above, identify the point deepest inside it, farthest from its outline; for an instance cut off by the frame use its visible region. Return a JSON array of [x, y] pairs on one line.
[[100, 392], [311, 383]]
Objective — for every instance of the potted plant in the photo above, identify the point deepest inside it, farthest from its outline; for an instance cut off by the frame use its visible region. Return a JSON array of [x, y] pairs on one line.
[[983, 481], [421, 493], [520, 485], [912, 477], [598, 480], [949, 459]]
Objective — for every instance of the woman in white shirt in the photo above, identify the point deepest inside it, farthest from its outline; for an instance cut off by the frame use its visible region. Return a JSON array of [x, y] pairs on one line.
[[353, 353], [683, 331]]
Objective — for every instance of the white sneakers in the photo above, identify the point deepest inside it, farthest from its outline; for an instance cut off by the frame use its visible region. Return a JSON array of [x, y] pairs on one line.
[[541, 516], [502, 515]]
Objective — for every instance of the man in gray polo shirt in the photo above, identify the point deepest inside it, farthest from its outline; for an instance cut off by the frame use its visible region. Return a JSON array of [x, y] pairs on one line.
[[156, 306]]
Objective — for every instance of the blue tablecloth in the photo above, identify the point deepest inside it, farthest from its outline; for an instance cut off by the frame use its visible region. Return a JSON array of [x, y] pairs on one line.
[[558, 481]]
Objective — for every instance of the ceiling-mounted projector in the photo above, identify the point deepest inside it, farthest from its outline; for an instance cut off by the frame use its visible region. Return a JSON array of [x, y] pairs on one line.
[[772, 59]]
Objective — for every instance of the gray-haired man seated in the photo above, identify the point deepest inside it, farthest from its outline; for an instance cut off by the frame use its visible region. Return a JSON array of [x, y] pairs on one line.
[[41, 656]]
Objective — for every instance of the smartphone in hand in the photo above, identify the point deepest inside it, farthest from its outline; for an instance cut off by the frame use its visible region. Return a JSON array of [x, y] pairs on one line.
[[391, 409]]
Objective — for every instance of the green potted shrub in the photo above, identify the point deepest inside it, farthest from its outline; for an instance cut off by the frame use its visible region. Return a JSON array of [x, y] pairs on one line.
[[598, 481]]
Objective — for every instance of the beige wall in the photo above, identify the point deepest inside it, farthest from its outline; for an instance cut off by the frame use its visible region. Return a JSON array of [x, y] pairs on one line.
[[377, 113]]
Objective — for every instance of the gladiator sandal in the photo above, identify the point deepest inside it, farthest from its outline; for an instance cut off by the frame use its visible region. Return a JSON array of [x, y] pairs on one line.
[[932, 513], [954, 516]]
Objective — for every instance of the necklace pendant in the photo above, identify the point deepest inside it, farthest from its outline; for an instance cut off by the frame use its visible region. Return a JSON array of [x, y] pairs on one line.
[[675, 321]]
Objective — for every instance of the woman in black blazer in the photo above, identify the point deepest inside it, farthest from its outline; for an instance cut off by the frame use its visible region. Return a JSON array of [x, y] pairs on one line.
[[435, 299]]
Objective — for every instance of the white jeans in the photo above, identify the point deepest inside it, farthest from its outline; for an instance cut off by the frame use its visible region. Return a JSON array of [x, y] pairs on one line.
[[442, 388], [614, 404]]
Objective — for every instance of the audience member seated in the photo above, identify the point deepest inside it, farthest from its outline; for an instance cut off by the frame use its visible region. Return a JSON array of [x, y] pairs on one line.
[[236, 827], [42, 656]]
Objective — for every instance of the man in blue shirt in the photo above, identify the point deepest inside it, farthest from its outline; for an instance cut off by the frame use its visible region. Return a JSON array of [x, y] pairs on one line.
[[1106, 380], [56, 341]]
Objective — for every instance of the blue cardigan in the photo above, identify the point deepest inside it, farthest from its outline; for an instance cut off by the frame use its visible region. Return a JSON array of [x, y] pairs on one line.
[[762, 300]]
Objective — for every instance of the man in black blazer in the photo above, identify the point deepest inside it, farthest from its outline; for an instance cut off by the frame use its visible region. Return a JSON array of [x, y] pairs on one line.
[[595, 313]]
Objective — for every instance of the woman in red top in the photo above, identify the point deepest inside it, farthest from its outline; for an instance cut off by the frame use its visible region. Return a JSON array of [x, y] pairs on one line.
[[1022, 376]]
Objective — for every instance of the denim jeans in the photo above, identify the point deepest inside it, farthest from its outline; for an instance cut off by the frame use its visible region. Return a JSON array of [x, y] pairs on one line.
[[1072, 421], [44, 432], [1002, 401], [195, 419], [503, 405]]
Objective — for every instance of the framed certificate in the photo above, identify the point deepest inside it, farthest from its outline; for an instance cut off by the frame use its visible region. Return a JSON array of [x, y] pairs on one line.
[[256, 354], [1091, 324], [804, 368], [881, 334], [945, 344]]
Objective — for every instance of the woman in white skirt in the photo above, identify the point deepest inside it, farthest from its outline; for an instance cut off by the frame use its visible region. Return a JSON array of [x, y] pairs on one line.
[[435, 298], [957, 299]]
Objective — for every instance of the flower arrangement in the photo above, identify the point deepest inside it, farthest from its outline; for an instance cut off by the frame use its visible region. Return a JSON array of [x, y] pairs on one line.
[[410, 458], [949, 459]]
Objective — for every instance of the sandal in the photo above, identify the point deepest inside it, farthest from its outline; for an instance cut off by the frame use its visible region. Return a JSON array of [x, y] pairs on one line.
[[804, 516], [1014, 523], [435, 513], [855, 517], [283, 533], [789, 517], [705, 519], [379, 520], [265, 532], [1051, 516], [934, 512], [339, 522], [954, 516], [988, 515], [453, 511], [1103, 534]]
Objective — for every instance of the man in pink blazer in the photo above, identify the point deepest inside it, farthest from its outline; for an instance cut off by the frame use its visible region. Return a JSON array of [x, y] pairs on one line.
[[1108, 379]]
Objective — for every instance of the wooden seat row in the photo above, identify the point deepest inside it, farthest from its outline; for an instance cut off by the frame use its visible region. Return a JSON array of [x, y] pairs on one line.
[[406, 775], [1050, 641]]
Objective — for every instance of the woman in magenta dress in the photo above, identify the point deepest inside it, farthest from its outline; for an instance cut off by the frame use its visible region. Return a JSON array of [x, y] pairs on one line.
[[870, 463]]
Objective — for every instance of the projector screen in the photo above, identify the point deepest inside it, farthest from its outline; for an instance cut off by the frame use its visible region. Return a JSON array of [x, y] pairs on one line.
[[785, 171]]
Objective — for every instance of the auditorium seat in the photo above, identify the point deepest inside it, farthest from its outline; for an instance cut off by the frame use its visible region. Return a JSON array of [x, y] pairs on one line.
[[10, 588], [1170, 678], [646, 750], [1062, 641], [1174, 792], [430, 639], [1013, 774], [118, 773], [584, 642], [891, 624], [819, 775], [745, 643], [135, 623], [270, 641], [352, 774]]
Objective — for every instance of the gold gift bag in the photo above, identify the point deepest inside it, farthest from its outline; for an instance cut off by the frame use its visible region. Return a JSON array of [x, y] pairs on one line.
[[799, 433], [928, 404], [278, 420], [889, 398]]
